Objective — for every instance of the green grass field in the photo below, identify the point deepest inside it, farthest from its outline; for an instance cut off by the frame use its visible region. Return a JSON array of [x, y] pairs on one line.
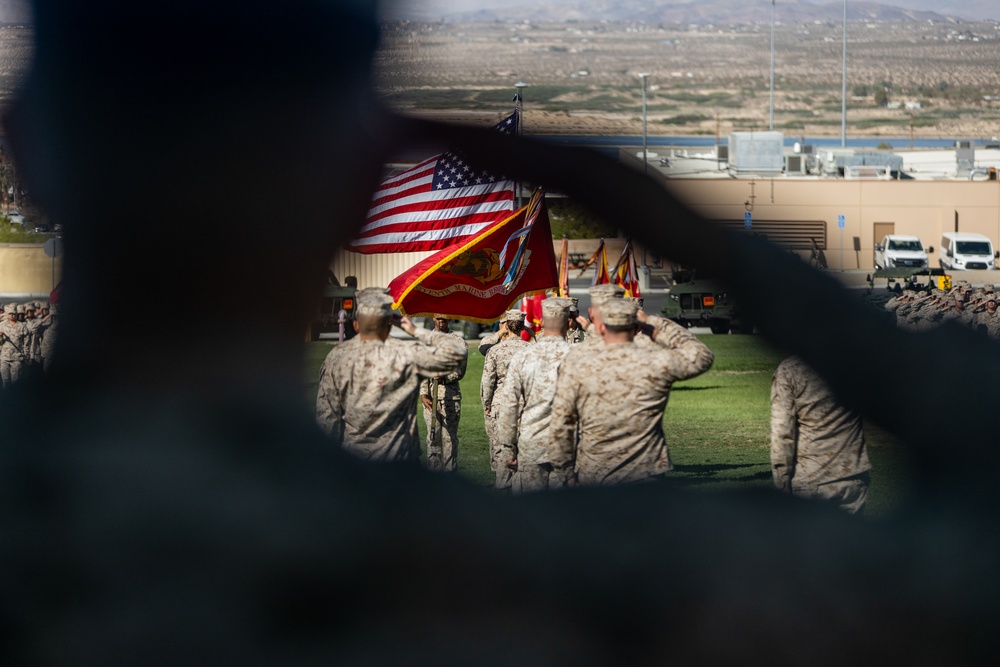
[[717, 425]]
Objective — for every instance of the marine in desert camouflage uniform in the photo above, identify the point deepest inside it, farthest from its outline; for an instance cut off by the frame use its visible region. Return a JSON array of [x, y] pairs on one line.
[[367, 398], [817, 445], [598, 295], [13, 353], [988, 320], [443, 411], [494, 373], [524, 406], [49, 336], [35, 324], [607, 415], [575, 332]]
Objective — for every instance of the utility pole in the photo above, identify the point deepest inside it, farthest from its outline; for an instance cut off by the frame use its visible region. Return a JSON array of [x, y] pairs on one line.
[[843, 91], [645, 156], [771, 124]]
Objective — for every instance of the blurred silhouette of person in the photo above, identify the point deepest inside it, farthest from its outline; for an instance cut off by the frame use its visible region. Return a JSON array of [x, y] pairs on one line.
[[167, 495]]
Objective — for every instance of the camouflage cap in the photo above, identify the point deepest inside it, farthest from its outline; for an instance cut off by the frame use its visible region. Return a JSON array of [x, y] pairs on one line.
[[637, 300], [618, 313], [53, 309], [601, 293], [374, 302], [556, 307], [513, 315], [380, 291], [21, 308], [988, 288]]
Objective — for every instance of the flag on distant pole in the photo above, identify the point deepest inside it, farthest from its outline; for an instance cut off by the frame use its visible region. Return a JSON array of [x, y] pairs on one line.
[[599, 260], [626, 272], [481, 277], [564, 269], [439, 202]]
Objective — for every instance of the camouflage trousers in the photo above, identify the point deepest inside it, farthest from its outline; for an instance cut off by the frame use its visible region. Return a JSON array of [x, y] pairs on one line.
[[10, 372], [530, 478], [499, 455], [848, 494], [442, 450]]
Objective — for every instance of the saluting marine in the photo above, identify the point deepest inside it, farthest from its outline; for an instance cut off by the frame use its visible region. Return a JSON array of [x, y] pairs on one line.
[[367, 398], [524, 407], [49, 336], [575, 332], [607, 415]]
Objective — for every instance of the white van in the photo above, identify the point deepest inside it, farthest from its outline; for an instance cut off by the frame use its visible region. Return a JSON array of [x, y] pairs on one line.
[[897, 251], [962, 251]]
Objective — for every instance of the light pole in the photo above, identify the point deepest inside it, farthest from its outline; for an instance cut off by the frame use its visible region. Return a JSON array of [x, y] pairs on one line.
[[843, 90], [645, 156]]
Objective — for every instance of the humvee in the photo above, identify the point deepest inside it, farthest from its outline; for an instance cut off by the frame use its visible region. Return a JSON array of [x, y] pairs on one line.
[[696, 301], [325, 318]]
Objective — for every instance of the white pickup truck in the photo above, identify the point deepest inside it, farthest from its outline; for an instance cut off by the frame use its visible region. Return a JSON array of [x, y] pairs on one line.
[[897, 251]]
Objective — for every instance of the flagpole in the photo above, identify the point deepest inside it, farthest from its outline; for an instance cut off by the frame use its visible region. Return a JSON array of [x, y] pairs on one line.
[[645, 153], [518, 98]]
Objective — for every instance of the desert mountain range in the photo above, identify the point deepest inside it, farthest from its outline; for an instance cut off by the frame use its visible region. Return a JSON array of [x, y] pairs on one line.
[[698, 11]]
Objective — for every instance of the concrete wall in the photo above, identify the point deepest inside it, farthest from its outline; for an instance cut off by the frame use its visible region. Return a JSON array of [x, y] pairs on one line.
[[26, 271]]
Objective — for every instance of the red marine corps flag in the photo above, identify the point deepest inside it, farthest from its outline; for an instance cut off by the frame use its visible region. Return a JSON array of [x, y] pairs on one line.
[[480, 278]]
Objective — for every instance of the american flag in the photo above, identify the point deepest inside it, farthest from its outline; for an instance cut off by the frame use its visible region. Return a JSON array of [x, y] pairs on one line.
[[440, 202]]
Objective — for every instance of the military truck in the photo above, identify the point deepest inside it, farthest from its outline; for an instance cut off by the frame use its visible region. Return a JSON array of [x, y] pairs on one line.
[[897, 280], [325, 318], [697, 301]]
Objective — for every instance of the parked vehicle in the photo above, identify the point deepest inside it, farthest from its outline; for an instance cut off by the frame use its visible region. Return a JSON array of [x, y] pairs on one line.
[[15, 218], [962, 251], [703, 302], [325, 319], [897, 251]]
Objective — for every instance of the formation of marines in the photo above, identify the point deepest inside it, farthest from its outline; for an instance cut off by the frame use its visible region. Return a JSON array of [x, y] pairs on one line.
[[582, 404], [549, 417], [972, 307], [27, 336]]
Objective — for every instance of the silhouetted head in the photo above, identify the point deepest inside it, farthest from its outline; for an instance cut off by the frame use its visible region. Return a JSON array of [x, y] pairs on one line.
[[214, 152]]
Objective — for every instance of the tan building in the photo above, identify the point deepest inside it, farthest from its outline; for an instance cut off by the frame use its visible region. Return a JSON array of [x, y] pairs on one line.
[[939, 193], [791, 211], [26, 271]]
